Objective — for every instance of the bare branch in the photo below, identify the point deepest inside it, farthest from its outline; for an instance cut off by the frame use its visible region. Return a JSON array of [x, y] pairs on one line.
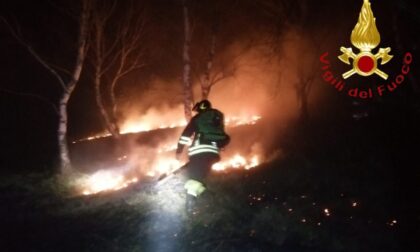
[[48, 67], [116, 54], [130, 69], [62, 9], [19, 39], [197, 76], [38, 97], [221, 77], [216, 77], [59, 68], [111, 49]]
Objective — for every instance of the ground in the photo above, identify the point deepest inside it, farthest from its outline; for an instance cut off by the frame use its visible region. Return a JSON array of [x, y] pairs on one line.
[[334, 189]]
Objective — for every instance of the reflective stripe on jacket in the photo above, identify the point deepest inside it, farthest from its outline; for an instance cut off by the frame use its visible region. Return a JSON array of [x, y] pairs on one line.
[[198, 148]]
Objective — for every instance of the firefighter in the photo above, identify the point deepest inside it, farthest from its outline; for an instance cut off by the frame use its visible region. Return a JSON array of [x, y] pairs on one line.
[[206, 136]]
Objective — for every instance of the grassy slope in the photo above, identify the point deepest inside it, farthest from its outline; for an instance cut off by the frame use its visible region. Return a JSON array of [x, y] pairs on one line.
[[246, 211]]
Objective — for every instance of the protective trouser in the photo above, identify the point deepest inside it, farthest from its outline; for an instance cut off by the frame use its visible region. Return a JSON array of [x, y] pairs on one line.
[[198, 168]]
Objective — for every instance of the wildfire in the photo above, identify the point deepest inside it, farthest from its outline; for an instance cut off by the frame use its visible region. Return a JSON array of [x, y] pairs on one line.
[[160, 161], [167, 148], [104, 180], [163, 165], [145, 125], [111, 180], [236, 162], [238, 121]]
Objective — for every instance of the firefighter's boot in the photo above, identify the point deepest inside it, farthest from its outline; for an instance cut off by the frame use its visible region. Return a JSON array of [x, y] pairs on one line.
[[194, 189], [191, 204]]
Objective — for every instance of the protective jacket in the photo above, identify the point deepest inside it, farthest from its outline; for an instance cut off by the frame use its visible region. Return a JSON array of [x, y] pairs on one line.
[[197, 144]]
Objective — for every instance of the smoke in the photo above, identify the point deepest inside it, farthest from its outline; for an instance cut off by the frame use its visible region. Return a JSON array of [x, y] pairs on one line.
[[256, 83], [256, 87], [261, 86], [157, 117]]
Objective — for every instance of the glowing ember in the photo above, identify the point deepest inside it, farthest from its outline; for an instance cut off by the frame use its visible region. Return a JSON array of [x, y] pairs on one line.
[[392, 223], [327, 212]]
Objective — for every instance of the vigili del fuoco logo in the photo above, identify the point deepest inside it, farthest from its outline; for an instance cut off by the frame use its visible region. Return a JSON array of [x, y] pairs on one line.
[[365, 37]]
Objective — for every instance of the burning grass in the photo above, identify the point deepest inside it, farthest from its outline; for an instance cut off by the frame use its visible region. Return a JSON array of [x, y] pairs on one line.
[[116, 179], [246, 210], [147, 162], [303, 202], [146, 124]]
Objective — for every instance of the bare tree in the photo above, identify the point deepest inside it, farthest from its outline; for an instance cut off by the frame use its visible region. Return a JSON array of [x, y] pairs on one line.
[[307, 67], [280, 14], [292, 14], [116, 54], [207, 83], [210, 76], [307, 71], [215, 69], [309, 42], [100, 16], [215, 72], [67, 86], [188, 94]]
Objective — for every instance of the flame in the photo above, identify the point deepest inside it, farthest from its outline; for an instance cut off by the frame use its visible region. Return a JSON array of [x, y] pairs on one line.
[[167, 148], [143, 124], [161, 159], [165, 165], [365, 35], [113, 180], [104, 180], [148, 124], [236, 162]]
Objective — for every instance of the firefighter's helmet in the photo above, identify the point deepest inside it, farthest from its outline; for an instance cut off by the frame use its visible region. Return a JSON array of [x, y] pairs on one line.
[[202, 106]]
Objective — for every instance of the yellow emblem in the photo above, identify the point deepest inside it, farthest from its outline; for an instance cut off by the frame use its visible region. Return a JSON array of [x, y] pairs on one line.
[[365, 36]]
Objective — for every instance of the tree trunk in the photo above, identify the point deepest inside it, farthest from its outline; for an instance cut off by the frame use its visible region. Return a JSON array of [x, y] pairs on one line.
[[65, 163], [206, 85], [67, 87], [109, 124], [118, 51], [114, 107], [114, 115], [188, 94], [100, 53]]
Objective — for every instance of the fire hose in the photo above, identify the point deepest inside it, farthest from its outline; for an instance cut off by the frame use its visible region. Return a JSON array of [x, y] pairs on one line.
[[164, 177]]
